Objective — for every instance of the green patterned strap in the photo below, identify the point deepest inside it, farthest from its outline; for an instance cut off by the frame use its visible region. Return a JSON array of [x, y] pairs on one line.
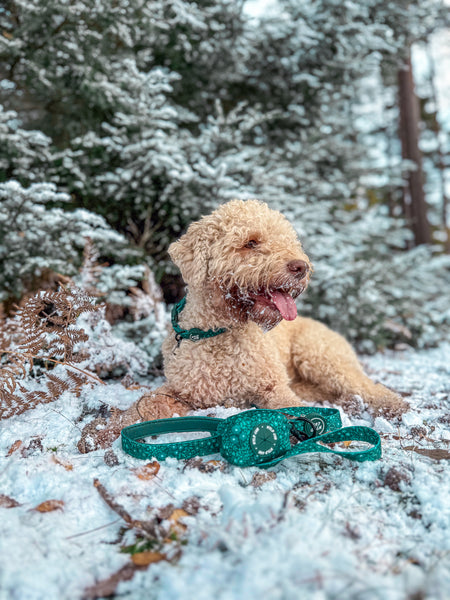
[[346, 434], [248, 438], [195, 334], [188, 449], [325, 419]]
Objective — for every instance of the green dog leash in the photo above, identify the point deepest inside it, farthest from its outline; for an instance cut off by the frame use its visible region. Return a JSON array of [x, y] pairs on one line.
[[260, 437]]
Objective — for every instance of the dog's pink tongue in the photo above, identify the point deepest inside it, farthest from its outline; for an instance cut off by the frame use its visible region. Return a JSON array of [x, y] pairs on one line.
[[285, 304]]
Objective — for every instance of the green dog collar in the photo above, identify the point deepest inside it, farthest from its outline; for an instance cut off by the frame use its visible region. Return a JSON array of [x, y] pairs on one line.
[[259, 437], [193, 334]]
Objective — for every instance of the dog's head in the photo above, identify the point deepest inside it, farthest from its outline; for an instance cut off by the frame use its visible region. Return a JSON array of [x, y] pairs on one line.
[[250, 256]]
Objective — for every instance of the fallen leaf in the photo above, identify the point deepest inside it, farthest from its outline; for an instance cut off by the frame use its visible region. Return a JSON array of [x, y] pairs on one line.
[[49, 505], [208, 466], [142, 559], [148, 471], [7, 502], [164, 512], [14, 447], [262, 477], [34, 446], [62, 463], [434, 453], [216, 465], [394, 478], [107, 587], [191, 505], [177, 514], [110, 458], [177, 527]]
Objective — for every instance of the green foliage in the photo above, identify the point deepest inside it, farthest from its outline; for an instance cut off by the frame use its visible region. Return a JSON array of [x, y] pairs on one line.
[[141, 545], [36, 237], [372, 291], [148, 114], [24, 154]]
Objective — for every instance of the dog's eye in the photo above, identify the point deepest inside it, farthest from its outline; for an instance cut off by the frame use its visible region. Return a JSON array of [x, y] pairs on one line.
[[251, 244]]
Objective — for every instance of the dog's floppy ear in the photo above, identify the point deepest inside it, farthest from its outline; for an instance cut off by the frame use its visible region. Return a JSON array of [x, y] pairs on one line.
[[191, 253]]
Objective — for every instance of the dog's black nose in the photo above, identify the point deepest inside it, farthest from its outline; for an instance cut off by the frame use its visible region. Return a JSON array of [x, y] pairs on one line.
[[299, 267]]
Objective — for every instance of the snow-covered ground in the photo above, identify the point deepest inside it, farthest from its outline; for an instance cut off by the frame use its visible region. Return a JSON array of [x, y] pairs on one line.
[[314, 527]]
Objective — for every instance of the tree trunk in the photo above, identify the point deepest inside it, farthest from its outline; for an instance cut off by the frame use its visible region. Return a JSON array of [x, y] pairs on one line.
[[415, 206], [441, 156]]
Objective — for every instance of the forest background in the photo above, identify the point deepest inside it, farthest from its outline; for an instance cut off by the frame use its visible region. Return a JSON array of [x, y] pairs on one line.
[[120, 123]]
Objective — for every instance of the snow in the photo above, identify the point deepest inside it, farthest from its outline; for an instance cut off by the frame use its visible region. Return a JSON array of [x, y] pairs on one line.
[[321, 527], [145, 144]]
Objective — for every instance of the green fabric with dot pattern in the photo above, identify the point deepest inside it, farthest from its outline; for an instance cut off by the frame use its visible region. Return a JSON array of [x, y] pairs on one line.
[[188, 449], [259, 437], [346, 434]]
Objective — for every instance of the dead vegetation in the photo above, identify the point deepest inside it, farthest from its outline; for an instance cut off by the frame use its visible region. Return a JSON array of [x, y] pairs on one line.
[[42, 332]]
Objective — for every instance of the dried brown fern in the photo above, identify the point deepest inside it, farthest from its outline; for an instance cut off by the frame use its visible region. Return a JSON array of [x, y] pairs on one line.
[[45, 333], [49, 318], [90, 269], [12, 366], [147, 299]]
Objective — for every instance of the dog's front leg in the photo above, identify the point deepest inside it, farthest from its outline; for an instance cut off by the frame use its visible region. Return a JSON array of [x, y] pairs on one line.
[[101, 432], [280, 396], [264, 378]]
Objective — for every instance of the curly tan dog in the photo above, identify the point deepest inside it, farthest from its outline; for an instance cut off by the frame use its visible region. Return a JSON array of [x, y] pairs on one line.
[[244, 266]]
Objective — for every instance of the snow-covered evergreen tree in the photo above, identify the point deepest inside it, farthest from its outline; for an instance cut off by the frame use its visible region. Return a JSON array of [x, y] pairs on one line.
[[322, 58], [37, 236], [115, 86], [24, 154], [159, 110]]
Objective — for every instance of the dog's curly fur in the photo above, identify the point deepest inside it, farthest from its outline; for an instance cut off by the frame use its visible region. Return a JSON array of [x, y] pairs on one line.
[[243, 266]]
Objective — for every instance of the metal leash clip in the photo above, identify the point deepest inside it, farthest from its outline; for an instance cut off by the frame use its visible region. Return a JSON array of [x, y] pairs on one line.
[[303, 435]]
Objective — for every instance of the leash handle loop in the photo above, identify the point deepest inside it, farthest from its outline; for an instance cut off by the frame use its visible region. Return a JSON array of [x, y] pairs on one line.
[[346, 434], [180, 450]]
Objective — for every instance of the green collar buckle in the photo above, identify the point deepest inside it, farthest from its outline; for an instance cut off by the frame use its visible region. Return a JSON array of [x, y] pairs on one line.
[[193, 334], [258, 437]]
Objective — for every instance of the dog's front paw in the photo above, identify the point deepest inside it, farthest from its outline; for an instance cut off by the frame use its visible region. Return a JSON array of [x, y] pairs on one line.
[[353, 405], [387, 403], [157, 405], [382, 402]]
